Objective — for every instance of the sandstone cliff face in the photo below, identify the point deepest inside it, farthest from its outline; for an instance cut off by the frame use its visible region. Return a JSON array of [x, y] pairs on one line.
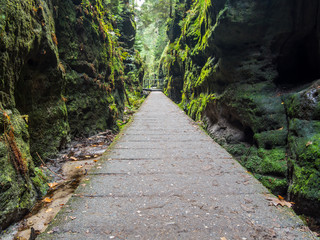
[[61, 76], [248, 69]]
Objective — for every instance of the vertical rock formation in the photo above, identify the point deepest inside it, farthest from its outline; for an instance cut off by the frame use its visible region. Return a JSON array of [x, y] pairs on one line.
[[33, 115], [134, 69], [248, 69], [62, 75], [88, 48]]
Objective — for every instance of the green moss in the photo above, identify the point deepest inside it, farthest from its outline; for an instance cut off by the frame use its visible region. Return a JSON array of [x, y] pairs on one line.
[[274, 162], [17, 193], [271, 139], [306, 182], [206, 75], [308, 153], [278, 186], [40, 181], [198, 105], [237, 150], [304, 142], [52, 134], [266, 162]]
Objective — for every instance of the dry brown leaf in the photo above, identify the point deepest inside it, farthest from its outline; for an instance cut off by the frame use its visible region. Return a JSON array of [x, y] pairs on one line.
[[52, 185], [74, 158], [47, 200], [309, 143], [72, 218], [276, 202], [79, 167], [223, 238]]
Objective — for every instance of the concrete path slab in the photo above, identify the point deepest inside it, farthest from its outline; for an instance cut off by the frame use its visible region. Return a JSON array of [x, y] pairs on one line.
[[166, 179]]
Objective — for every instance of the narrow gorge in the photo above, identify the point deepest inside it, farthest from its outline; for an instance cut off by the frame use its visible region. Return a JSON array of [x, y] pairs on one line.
[[247, 71]]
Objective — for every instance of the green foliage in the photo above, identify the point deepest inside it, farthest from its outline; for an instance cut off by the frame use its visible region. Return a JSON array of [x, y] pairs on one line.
[[39, 181], [136, 101], [306, 183], [278, 186], [151, 33], [198, 105]]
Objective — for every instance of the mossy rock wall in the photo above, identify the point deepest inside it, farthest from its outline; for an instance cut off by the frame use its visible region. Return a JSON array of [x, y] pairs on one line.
[[30, 97], [62, 76], [92, 59], [248, 71]]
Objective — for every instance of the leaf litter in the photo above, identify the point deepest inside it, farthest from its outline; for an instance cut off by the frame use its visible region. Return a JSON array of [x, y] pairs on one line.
[[71, 163]]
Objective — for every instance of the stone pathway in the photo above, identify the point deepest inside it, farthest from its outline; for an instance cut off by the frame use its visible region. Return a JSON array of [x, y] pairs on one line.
[[166, 179]]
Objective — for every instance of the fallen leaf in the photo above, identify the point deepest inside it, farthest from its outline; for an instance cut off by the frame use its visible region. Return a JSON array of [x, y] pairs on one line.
[[79, 167], [87, 156], [94, 145], [280, 129], [95, 156], [280, 197], [72, 218], [95, 160], [49, 210], [74, 158], [309, 143], [61, 204], [47, 200], [276, 202], [223, 238], [52, 185], [50, 232]]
